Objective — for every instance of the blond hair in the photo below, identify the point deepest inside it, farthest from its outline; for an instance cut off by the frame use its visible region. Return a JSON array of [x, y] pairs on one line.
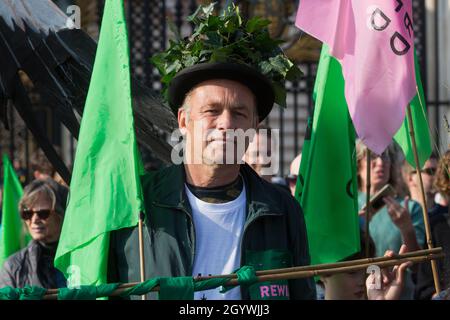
[[442, 182], [395, 176]]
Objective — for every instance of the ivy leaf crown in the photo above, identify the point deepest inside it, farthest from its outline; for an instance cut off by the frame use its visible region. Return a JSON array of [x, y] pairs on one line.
[[228, 38]]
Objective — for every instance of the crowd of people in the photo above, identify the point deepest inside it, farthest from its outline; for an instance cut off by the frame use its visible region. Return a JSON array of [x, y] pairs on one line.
[[211, 216], [397, 227]]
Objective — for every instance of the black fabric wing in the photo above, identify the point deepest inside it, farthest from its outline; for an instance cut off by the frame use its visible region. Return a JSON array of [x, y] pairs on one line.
[[36, 39]]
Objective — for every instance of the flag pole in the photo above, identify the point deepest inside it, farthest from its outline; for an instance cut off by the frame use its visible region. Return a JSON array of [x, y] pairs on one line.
[[424, 201], [141, 249], [368, 186]]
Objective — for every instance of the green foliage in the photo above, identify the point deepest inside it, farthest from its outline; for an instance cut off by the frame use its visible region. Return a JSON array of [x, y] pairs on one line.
[[228, 38]]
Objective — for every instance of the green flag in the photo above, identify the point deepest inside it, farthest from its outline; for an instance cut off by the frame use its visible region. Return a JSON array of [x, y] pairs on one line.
[[421, 131], [328, 168], [13, 236], [304, 164], [105, 191]]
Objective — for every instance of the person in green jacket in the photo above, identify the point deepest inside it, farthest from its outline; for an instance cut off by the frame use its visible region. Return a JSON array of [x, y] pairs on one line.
[[211, 213]]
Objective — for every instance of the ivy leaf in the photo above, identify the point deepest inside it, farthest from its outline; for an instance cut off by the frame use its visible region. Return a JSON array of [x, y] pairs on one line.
[[220, 54], [280, 94], [196, 48], [226, 38], [189, 61], [205, 53], [214, 39], [265, 43], [238, 16], [294, 73], [193, 17], [265, 67], [158, 61], [280, 65], [173, 28], [174, 67], [199, 30], [208, 10], [213, 23], [231, 25], [168, 77], [201, 12], [256, 24]]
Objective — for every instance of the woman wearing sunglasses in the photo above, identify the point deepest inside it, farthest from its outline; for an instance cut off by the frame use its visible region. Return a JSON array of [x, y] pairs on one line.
[[42, 210], [427, 173], [400, 220]]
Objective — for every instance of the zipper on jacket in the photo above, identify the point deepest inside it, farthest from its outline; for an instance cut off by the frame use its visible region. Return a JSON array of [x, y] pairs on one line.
[[247, 225], [183, 209]]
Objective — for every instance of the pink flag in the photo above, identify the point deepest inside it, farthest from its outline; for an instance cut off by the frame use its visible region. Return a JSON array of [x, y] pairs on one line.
[[374, 42]]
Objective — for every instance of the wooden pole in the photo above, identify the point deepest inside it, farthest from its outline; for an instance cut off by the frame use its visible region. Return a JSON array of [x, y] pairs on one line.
[[370, 261], [368, 186], [331, 271], [350, 263], [424, 199], [141, 249], [318, 270]]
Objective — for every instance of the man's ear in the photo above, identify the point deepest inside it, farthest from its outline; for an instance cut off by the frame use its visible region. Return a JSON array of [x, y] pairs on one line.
[[182, 120]]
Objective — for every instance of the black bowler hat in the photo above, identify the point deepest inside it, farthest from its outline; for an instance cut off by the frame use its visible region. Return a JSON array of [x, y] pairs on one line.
[[189, 77]]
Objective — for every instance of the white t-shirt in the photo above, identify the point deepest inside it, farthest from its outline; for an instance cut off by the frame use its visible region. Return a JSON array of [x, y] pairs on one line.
[[218, 229]]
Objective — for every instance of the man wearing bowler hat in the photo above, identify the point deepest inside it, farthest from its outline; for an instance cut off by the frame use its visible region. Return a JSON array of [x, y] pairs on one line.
[[212, 214]]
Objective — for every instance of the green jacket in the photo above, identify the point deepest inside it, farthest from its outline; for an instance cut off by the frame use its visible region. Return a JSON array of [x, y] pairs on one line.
[[274, 235]]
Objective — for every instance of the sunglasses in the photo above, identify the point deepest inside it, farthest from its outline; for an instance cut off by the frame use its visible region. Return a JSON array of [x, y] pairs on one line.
[[428, 171], [384, 156], [43, 214]]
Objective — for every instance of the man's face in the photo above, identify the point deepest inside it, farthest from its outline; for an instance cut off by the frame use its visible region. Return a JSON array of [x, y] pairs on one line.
[[216, 108]]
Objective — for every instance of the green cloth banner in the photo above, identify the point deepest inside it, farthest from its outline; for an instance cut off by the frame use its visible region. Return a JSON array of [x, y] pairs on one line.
[[327, 183], [87, 292], [26, 293], [13, 235], [171, 288], [180, 288], [105, 190], [420, 124], [246, 276], [141, 288]]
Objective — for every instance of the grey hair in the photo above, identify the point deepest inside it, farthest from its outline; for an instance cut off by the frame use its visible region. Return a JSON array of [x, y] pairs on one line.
[[49, 188]]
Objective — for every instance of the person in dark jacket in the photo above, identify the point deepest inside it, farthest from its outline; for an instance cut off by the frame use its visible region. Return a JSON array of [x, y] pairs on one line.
[[42, 208], [440, 233], [211, 214]]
